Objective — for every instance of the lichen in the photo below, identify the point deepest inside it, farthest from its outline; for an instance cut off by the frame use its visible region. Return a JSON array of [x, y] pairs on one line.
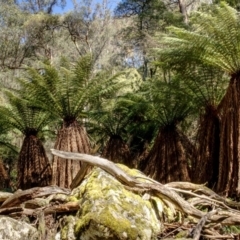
[[67, 232], [105, 201], [72, 199]]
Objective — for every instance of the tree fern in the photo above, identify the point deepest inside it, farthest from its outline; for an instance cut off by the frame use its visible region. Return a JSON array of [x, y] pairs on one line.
[[213, 40], [67, 92], [33, 165], [170, 107]]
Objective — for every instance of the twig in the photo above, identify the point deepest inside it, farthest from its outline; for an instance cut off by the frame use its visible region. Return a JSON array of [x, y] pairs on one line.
[[196, 232]]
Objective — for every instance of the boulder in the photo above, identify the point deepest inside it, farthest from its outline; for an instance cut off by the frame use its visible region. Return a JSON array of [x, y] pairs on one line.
[[11, 229], [109, 210]]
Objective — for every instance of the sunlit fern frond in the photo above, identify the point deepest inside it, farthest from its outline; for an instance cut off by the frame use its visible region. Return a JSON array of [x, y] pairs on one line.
[[67, 91], [206, 83], [213, 39], [169, 100], [21, 115]]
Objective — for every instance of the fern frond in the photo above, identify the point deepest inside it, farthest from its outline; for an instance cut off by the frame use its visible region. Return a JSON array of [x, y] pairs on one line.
[[21, 115], [213, 39]]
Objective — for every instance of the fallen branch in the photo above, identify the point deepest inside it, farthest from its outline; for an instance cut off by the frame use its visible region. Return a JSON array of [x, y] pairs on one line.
[[21, 196], [4, 196], [62, 208], [159, 190], [196, 232]]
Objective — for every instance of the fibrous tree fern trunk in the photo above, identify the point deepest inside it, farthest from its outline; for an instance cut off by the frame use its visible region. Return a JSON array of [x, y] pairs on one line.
[[205, 165], [117, 151], [4, 178], [167, 160], [34, 169], [229, 164], [71, 137]]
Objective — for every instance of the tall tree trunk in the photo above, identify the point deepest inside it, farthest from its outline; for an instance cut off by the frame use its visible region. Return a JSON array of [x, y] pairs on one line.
[[205, 168], [71, 137], [117, 151], [34, 169], [183, 10], [167, 160], [229, 169]]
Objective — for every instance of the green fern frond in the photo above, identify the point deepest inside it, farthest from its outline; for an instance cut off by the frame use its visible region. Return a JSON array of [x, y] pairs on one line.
[[213, 39], [21, 115]]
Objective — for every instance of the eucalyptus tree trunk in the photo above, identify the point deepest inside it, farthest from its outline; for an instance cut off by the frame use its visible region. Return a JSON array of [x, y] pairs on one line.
[[183, 10], [34, 169], [167, 160], [71, 137]]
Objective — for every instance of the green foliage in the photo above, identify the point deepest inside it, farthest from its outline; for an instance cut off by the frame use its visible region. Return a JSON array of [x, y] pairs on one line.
[[35, 6], [232, 3], [235, 229], [21, 115], [115, 112], [69, 90], [213, 40], [149, 12], [206, 85], [62, 91], [170, 103]]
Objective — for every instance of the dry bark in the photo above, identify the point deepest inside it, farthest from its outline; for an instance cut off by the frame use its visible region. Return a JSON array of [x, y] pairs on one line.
[[4, 178], [21, 196], [209, 224], [62, 208], [34, 169], [117, 151], [229, 162], [167, 160], [205, 165], [71, 137], [226, 215], [4, 196]]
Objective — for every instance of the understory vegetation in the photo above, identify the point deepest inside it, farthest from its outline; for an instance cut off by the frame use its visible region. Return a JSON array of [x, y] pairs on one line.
[[151, 84]]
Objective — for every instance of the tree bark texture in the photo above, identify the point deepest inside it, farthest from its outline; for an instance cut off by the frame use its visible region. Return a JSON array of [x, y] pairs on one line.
[[34, 169], [167, 160], [206, 164], [229, 170], [117, 151], [4, 178], [71, 137]]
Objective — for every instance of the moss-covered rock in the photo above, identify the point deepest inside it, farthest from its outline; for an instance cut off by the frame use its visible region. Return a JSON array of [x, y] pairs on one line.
[[110, 211]]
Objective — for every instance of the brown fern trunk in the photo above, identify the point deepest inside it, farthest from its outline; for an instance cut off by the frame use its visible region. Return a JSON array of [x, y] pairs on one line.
[[34, 169], [4, 177], [229, 169], [73, 138], [167, 160], [117, 151], [205, 167]]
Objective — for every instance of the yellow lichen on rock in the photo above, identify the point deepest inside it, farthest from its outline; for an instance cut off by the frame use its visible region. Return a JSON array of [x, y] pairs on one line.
[[110, 211]]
